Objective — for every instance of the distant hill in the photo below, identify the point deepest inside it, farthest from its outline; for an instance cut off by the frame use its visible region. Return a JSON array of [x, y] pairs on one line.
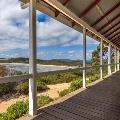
[[45, 62]]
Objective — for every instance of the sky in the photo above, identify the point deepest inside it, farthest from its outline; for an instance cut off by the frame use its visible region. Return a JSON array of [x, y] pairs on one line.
[[54, 39]]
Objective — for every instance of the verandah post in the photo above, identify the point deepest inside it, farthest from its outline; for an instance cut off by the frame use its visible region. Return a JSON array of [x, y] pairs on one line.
[[109, 59], [115, 59], [118, 56], [84, 57], [32, 58], [101, 61]]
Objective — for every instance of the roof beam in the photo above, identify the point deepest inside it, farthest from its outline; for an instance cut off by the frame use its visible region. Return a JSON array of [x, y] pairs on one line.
[[106, 14], [113, 19], [64, 3], [87, 10], [117, 40], [115, 30], [111, 28], [118, 36], [118, 33]]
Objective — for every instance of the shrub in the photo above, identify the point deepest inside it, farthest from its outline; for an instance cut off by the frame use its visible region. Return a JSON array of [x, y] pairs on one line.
[[3, 116], [7, 88], [23, 88], [19, 73], [15, 111], [76, 84], [41, 86], [64, 92], [43, 100], [94, 78], [20, 108], [59, 78]]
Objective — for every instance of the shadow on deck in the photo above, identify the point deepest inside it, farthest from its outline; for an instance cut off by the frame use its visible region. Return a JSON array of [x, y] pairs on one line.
[[98, 102]]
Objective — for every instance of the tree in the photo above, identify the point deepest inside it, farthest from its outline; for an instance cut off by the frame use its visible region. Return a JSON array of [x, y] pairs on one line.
[[96, 55]]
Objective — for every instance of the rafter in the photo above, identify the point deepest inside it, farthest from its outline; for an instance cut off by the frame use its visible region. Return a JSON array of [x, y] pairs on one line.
[[117, 42], [113, 19], [118, 38], [106, 14], [64, 3], [115, 35], [115, 30], [88, 9], [111, 28]]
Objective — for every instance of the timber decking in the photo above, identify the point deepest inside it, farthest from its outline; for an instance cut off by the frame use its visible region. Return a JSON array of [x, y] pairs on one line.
[[98, 102]]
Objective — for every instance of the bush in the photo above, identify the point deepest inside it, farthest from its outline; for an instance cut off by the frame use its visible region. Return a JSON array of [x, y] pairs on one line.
[[43, 100], [59, 78], [3, 116], [76, 84], [23, 88], [94, 78], [20, 108], [15, 111], [41, 86], [64, 92], [19, 73], [7, 88]]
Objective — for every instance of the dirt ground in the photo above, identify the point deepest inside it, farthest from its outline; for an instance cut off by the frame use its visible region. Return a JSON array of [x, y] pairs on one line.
[[52, 92]]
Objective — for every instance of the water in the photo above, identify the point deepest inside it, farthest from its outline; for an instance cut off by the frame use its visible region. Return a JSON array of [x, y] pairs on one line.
[[40, 68]]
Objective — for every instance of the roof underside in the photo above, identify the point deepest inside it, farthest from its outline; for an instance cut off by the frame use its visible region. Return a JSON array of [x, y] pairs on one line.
[[102, 15]]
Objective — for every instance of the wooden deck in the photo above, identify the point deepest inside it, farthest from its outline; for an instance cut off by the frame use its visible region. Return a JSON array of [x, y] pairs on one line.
[[98, 102]]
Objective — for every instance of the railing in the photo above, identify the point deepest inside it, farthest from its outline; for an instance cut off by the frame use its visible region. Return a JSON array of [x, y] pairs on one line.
[[18, 78]]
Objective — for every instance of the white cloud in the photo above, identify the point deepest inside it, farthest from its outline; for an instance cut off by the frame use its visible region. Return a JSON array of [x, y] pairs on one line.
[[14, 31]]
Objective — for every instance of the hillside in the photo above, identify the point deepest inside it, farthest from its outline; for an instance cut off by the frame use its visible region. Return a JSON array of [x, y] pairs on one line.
[[45, 62]]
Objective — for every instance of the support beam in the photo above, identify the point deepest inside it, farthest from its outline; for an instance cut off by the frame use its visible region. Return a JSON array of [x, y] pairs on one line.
[[101, 61], [109, 59], [114, 36], [118, 59], [112, 27], [112, 32], [84, 57], [117, 42], [32, 58], [106, 14], [64, 3], [115, 59], [87, 10], [113, 19]]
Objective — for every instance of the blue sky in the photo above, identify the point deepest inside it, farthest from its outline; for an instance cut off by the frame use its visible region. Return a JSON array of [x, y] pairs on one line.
[[54, 40]]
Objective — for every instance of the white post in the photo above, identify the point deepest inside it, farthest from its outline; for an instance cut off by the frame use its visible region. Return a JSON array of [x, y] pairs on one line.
[[101, 61], [118, 60], [84, 57], [109, 59], [115, 59], [32, 58]]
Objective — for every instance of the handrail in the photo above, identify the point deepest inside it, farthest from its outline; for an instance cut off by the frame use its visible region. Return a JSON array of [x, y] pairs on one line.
[[18, 78]]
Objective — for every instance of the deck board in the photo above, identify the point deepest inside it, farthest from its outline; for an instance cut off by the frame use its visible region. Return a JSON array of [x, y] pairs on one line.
[[98, 102]]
